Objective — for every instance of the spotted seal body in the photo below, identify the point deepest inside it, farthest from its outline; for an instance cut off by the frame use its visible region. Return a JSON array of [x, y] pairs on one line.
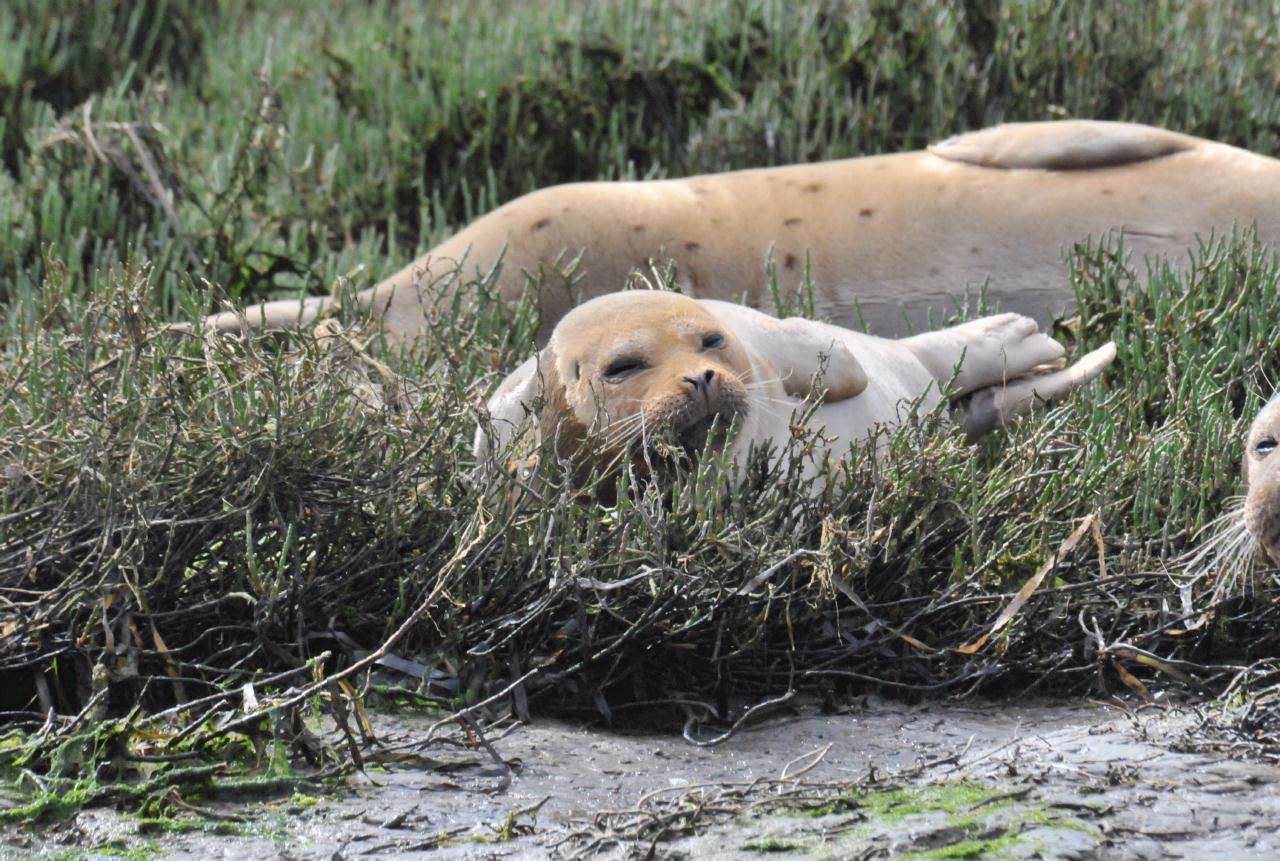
[[895, 237]]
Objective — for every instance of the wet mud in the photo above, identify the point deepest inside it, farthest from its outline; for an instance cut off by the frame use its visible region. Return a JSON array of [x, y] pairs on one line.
[[881, 780]]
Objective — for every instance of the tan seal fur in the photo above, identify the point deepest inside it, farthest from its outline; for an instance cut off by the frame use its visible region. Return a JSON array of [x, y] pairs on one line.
[[636, 366], [1262, 481], [888, 233]]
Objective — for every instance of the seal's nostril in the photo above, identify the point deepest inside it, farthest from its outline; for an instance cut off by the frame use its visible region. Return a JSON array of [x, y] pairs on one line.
[[701, 382]]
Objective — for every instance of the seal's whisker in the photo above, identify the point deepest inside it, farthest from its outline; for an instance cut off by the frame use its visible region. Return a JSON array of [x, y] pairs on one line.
[[624, 425], [624, 429], [749, 381], [1223, 530], [1227, 554], [775, 407], [1236, 567], [1227, 534]]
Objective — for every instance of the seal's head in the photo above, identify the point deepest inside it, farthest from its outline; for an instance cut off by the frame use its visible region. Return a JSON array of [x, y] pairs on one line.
[[1231, 546], [644, 366], [1262, 480]]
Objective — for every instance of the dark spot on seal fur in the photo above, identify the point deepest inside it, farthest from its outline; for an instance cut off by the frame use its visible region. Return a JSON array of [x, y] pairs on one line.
[[811, 188], [539, 224], [934, 270], [792, 222], [577, 371], [975, 250], [637, 228], [789, 261], [866, 213], [1106, 192], [691, 246]]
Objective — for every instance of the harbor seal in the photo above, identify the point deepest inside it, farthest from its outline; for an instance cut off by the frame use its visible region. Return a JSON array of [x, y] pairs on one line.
[[646, 367], [1261, 470], [888, 239]]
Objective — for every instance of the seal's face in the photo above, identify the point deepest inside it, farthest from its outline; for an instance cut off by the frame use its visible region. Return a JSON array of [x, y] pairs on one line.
[[1262, 480], [648, 366]]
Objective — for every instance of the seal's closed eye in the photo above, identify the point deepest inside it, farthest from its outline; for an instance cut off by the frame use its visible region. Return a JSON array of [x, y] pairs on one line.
[[620, 369], [713, 341]]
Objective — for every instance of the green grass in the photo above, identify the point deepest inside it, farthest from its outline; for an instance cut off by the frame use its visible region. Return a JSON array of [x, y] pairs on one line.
[[300, 146], [183, 517]]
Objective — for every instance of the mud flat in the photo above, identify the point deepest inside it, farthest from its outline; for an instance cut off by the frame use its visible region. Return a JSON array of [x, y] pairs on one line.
[[884, 779]]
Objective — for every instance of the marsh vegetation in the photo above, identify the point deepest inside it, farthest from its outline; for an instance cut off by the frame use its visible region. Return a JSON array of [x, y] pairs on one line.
[[183, 517]]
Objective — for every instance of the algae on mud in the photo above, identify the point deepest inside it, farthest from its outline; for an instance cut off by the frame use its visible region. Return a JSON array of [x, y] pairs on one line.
[[1042, 780]]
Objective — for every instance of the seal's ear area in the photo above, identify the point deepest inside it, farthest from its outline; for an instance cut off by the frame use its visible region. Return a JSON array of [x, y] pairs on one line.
[[995, 406], [557, 420], [799, 349], [1062, 145], [509, 408]]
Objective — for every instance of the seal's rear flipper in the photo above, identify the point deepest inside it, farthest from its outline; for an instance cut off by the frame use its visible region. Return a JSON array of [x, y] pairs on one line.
[[995, 406], [270, 316], [988, 351], [1062, 145]]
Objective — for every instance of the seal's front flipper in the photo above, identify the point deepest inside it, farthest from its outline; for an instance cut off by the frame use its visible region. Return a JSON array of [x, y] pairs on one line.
[[995, 406], [1062, 145], [803, 351], [815, 364]]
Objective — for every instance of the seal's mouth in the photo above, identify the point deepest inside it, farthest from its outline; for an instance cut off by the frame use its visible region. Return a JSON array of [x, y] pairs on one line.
[[1270, 546], [712, 429], [1263, 524], [708, 433], [683, 429]]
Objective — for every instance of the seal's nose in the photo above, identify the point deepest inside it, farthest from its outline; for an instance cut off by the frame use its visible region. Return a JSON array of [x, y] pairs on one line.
[[702, 382]]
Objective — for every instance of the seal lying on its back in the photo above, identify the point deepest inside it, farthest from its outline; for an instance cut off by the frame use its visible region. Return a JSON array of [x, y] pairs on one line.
[[889, 232], [640, 365]]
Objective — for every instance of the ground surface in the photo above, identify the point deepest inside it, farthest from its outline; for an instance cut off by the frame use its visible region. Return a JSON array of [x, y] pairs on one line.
[[1081, 780]]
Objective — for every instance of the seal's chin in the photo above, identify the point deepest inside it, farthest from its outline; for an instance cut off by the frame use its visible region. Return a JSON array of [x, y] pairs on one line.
[[709, 433], [1272, 552], [682, 438], [1262, 524]]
